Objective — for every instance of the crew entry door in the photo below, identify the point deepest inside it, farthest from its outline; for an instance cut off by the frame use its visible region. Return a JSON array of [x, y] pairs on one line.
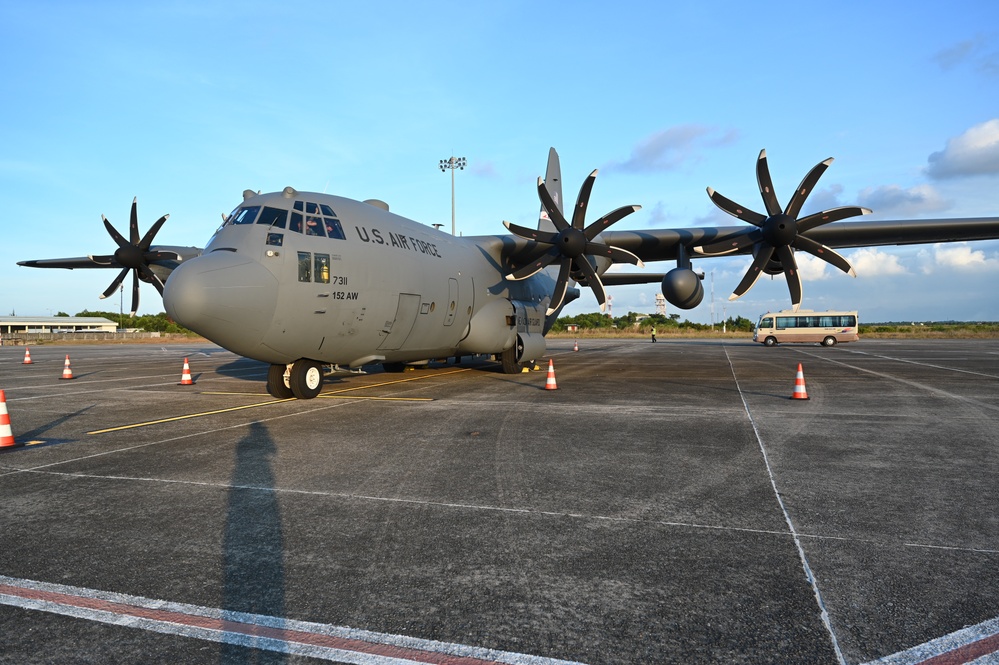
[[405, 318]]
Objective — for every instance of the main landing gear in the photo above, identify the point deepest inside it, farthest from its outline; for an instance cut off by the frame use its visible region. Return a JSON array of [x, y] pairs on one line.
[[302, 379]]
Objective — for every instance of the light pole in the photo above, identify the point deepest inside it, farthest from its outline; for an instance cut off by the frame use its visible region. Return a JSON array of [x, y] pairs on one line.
[[453, 163]]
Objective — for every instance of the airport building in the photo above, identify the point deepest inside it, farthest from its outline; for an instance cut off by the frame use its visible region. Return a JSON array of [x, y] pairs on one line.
[[19, 325]]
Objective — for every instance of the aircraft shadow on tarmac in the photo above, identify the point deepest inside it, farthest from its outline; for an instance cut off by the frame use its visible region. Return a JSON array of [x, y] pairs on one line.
[[253, 542]]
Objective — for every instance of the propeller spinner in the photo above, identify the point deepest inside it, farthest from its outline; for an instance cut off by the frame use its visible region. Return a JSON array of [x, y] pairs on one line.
[[572, 244], [134, 255], [780, 232]]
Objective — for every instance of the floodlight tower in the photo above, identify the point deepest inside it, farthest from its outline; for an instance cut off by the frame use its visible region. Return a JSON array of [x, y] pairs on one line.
[[453, 163]]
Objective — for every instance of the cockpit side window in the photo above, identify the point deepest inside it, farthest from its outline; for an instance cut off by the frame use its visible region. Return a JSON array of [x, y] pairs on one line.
[[273, 217], [296, 221], [333, 227], [245, 215]]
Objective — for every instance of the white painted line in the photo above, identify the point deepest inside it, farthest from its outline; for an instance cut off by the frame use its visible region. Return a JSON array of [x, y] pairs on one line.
[[315, 640], [974, 644], [787, 518]]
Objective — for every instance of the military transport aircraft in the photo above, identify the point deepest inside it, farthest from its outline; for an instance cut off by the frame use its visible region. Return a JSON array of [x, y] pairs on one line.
[[302, 280]]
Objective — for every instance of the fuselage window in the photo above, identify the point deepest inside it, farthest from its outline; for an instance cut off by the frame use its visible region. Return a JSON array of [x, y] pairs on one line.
[[273, 217], [305, 266], [245, 215], [276, 239], [296, 221], [314, 226], [299, 207], [322, 268]]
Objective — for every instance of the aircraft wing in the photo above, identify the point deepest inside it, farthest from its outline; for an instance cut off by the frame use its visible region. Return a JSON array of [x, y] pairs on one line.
[[664, 244]]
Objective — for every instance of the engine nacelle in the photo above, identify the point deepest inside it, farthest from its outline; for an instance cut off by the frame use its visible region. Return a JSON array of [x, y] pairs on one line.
[[682, 288]]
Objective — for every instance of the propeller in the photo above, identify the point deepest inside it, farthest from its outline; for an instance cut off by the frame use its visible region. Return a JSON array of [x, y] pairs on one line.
[[134, 255], [572, 244], [780, 232]]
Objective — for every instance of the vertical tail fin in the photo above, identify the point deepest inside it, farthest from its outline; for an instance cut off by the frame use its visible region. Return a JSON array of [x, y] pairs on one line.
[[553, 182]]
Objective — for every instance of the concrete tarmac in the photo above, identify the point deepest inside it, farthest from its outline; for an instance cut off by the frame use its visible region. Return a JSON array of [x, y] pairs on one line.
[[668, 503]]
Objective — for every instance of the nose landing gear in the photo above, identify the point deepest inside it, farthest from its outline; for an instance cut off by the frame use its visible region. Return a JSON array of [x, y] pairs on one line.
[[302, 379]]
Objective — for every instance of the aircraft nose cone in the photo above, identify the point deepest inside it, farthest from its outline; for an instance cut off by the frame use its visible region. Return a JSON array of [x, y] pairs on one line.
[[227, 298]]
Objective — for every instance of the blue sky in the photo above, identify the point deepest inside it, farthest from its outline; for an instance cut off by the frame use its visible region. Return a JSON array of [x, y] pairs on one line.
[[186, 104]]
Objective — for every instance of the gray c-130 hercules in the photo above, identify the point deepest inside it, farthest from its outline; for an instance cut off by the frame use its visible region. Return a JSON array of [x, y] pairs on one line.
[[300, 280]]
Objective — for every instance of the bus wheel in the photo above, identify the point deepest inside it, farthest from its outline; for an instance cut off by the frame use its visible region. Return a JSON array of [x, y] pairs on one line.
[[829, 341], [770, 341]]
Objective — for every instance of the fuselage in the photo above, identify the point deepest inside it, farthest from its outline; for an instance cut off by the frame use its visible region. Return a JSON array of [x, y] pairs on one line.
[[293, 275]]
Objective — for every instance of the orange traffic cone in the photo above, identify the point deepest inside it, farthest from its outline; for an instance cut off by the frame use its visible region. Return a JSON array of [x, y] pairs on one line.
[[575, 345], [185, 377], [67, 373], [6, 435], [550, 383], [799, 385], [27, 357]]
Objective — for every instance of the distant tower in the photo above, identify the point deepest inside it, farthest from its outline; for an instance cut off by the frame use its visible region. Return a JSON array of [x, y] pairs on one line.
[[610, 304], [660, 304]]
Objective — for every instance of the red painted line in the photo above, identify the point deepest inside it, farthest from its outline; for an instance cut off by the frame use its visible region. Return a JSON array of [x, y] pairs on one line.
[[966, 653], [241, 628]]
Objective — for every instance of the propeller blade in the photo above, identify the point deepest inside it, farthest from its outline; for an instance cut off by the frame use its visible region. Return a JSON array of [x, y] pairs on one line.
[[535, 266], [133, 223], [117, 237], [114, 284], [736, 210], [531, 234], [593, 281], [831, 215], [766, 185], [594, 229], [135, 292], [824, 253], [616, 254], [786, 256], [151, 257], [151, 277], [754, 272], [549, 204], [730, 245], [561, 284], [147, 239], [583, 200], [805, 188]]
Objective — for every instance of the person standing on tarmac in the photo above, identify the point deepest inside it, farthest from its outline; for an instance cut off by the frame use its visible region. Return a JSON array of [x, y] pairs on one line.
[[653, 334]]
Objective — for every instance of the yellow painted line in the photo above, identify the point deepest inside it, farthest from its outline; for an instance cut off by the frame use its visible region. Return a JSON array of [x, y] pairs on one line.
[[190, 415], [332, 394], [335, 396]]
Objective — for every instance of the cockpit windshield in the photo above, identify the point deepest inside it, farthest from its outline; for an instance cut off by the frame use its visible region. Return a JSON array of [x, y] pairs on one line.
[[313, 219]]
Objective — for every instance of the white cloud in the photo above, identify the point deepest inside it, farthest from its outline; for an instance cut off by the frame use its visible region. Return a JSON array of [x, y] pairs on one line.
[[811, 268], [957, 256], [975, 152], [870, 262], [893, 199], [668, 149]]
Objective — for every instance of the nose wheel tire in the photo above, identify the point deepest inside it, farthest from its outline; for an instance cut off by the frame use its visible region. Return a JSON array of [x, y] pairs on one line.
[[306, 380], [278, 384]]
